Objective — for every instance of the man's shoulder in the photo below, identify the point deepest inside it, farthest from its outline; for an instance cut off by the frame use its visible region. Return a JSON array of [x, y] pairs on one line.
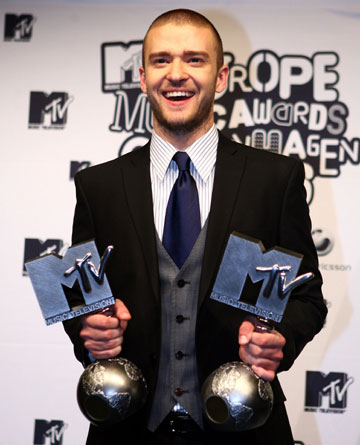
[[114, 166]]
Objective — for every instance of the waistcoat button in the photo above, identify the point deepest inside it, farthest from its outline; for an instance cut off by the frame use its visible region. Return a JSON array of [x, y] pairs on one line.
[[180, 318], [178, 391], [179, 355], [181, 283]]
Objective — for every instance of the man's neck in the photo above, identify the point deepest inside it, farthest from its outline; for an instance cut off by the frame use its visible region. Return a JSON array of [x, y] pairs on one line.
[[182, 140]]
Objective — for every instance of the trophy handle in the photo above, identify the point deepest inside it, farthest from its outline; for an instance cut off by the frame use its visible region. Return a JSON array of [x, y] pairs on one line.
[[108, 311], [262, 325]]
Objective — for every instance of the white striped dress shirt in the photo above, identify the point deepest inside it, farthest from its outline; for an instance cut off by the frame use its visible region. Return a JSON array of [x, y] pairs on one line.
[[164, 172]]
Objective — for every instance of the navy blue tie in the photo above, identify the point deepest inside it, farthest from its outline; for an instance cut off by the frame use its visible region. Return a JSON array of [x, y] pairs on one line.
[[182, 220]]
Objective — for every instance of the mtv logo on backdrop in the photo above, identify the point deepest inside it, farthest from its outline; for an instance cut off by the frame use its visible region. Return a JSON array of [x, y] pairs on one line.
[[18, 28], [49, 432], [120, 65], [120, 75], [48, 110], [35, 247], [326, 392], [76, 166]]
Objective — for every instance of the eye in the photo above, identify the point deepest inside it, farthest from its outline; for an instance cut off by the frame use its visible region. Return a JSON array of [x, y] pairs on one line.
[[160, 61], [196, 60]]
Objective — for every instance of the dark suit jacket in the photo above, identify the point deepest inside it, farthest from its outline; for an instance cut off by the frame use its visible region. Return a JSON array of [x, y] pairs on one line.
[[257, 193]]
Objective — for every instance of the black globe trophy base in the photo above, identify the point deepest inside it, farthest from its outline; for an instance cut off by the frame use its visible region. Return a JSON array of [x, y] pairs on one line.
[[234, 398], [111, 390]]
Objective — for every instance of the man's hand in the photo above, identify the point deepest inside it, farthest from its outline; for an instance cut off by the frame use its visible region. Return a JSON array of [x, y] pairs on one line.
[[102, 334], [262, 351]]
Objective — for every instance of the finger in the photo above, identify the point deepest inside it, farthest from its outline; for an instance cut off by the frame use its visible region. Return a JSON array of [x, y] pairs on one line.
[[100, 321], [269, 362], [95, 345], [102, 335], [108, 353], [121, 311], [246, 330], [264, 368], [104, 349], [123, 325], [271, 340], [264, 374], [261, 351]]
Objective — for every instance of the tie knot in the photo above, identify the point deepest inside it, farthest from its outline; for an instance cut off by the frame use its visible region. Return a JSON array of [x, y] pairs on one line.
[[183, 161]]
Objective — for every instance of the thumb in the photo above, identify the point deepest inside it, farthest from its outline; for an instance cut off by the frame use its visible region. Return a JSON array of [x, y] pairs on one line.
[[246, 330], [121, 311]]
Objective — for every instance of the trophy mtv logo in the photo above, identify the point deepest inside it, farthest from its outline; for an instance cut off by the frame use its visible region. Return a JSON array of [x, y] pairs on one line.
[[35, 247], [18, 28], [326, 393], [75, 270], [268, 276], [48, 110], [287, 104], [49, 432]]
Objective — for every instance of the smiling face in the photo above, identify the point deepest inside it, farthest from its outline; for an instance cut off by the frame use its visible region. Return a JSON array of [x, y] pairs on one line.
[[181, 77]]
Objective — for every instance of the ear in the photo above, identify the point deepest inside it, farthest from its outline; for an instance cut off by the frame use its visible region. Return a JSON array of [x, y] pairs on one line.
[[222, 78], [142, 80]]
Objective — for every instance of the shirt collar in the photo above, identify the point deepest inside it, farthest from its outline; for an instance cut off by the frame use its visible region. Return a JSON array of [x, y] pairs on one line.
[[202, 153]]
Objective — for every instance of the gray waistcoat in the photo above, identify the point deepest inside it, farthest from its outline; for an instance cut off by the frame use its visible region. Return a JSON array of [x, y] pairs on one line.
[[178, 377]]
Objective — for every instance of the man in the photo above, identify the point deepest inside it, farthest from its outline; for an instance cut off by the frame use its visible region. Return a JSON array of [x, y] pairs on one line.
[[164, 320]]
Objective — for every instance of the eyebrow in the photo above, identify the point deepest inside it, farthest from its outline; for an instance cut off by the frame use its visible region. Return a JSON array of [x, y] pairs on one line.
[[197, 53], [185, 53]]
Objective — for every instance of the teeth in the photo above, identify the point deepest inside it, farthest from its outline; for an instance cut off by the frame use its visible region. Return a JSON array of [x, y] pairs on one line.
[[178, 94]]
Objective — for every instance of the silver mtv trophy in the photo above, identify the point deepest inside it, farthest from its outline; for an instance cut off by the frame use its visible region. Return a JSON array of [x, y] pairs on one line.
[[233, 397], [108, 390]]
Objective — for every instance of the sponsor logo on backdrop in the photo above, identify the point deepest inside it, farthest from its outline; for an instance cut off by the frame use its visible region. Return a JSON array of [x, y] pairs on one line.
[[76, 166], [324, 243], [327, 393], [18, 28], [49, 432], [287, 104], [49, 111], [323, 240], [35, 247]]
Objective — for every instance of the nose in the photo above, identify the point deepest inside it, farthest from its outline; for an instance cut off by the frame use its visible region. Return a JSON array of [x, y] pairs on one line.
[[177, 71]]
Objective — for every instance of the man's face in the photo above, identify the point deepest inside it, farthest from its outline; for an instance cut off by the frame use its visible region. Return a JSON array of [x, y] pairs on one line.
[[181, 77]]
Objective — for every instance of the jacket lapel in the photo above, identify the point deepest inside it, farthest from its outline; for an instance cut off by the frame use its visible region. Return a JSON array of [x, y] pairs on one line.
[[137, 185], [230, 164]]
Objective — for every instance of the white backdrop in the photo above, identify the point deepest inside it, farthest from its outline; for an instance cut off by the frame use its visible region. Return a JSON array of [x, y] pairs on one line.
[[63, 106]]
